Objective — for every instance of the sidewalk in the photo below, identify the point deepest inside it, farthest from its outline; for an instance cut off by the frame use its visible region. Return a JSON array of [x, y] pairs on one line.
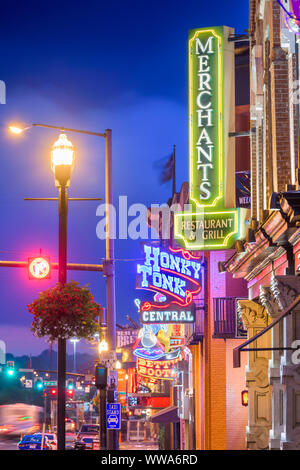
[[139, 445]]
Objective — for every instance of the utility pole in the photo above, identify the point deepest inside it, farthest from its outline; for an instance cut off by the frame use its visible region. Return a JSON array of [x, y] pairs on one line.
[[102, 419], [110, 278]]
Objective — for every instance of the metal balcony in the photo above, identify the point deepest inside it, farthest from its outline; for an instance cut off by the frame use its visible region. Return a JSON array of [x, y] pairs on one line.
[[197, 332], [224, 317]]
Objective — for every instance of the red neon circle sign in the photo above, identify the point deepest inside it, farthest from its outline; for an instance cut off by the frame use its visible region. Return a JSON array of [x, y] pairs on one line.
[[39, 268]]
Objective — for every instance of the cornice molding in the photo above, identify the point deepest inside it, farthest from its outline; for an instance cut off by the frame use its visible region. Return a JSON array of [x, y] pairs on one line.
[[269, 302], [285, 289], [253, 314]]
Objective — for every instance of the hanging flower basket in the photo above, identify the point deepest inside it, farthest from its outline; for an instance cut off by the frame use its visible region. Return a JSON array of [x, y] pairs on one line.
[[65, 312]]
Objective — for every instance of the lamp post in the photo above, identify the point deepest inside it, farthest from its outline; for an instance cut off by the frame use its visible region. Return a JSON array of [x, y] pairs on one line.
[[62, 159], [109, 265], [126, 396]]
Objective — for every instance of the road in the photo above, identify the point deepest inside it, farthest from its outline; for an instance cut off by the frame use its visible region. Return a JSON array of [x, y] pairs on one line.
[[11, 444]]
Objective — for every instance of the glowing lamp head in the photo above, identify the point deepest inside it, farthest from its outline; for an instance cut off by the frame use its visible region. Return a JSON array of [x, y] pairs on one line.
[[118, 365], [103, 346], [16, 130], [39, 268], [62, 160], [244, 397]]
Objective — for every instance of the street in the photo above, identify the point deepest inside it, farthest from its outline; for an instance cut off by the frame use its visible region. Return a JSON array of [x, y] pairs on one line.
[[11, 444]]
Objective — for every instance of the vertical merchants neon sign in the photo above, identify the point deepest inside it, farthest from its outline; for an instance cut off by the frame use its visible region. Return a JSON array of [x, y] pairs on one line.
[[213, 223], [206, 123]]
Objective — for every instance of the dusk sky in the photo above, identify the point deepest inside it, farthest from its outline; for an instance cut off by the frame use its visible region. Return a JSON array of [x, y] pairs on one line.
[[91, 65]]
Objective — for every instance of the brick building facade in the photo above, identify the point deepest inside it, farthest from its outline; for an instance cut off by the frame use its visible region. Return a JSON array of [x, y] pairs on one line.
[[268, 258]]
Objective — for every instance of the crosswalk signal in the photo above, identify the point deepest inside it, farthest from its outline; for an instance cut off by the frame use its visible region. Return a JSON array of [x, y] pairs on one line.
[[101, 376], [39, 267]]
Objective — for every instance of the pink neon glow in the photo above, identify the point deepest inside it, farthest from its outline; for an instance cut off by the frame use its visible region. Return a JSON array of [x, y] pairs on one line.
[[295, 8], [186, 254], [181, 275]]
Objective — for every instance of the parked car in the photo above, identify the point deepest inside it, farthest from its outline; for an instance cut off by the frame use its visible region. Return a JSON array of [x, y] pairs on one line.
[[70, 425], [84, 438], [34, 442], [52, 438]]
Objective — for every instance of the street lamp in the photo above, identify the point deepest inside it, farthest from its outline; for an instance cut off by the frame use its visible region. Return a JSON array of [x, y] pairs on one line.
[[74, 341], [103, 346], [62, 159]]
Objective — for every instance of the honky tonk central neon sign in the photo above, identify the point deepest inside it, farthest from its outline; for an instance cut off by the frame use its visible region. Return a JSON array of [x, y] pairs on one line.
[[174, 273]]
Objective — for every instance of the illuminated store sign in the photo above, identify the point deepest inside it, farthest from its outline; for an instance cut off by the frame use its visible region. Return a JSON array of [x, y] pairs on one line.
[[291, 9], [167, 316], [153, 342], [157, 369], [176, 274], [207, 230], [206, 110], [210, 225]]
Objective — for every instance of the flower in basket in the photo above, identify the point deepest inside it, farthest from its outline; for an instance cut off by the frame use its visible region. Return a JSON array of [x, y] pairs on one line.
[[65, 311]]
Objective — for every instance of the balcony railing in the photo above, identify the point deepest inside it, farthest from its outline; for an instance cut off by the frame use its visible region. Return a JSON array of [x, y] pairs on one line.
[[197, 329], [224, 317]]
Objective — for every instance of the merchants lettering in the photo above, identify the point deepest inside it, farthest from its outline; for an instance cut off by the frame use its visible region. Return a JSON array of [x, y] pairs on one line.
[[206, 117]]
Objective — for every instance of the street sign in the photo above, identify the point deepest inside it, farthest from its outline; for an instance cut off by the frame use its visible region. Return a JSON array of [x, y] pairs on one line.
[[50, 383], [113, 416], [28, 384]]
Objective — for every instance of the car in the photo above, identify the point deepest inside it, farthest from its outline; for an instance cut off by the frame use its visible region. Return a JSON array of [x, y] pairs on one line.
[[34, 442], [52, 438], [70, 425], [84, 438]]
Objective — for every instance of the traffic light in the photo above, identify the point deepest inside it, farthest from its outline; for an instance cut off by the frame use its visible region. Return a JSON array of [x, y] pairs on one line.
[[53, 392], [70, 393], [39, 384], [39, 267], [10, 368], [100, 376], [70, 384], [10, 372]]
